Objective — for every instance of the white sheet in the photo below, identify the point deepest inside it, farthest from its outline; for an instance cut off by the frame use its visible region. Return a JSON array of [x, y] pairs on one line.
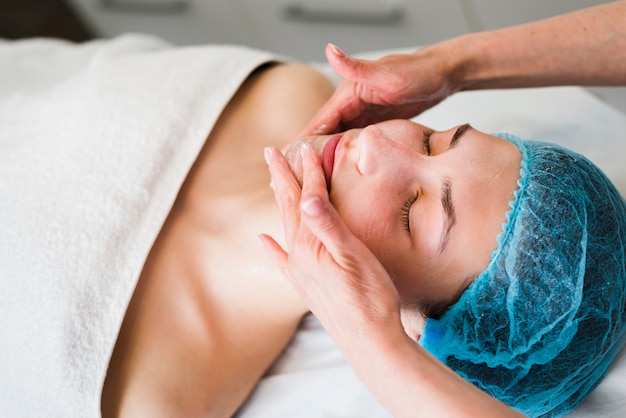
[[312, 379]]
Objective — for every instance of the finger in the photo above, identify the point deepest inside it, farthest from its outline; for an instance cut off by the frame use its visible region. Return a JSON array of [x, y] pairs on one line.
[[346, 67], [287, 192], [313, 177], [327, 120], [339, 112], [389, 76], [276, 253], [320, 216], [367, 72], [341, 106]]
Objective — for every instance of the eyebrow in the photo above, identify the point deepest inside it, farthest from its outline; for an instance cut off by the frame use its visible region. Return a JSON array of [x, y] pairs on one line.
[[446, 193], [458, 134], [449, 214]]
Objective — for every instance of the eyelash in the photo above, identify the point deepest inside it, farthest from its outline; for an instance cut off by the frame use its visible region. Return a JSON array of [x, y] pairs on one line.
[[426, 141], [406, 208]]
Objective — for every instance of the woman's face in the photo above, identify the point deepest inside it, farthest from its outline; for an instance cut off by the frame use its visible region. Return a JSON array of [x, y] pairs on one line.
[[428, 204]]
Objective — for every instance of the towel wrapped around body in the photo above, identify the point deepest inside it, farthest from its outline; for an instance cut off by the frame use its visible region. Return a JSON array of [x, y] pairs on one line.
[[95, 142]]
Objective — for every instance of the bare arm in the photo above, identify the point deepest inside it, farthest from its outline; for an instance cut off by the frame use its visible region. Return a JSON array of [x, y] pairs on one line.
[[409, 382], [585, 47]]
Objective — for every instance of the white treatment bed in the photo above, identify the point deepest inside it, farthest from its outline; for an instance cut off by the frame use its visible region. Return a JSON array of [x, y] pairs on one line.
[[311, 379]]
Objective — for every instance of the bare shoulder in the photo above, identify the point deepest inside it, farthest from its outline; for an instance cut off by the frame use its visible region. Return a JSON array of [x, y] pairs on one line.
[[287, 81], [284, 97]]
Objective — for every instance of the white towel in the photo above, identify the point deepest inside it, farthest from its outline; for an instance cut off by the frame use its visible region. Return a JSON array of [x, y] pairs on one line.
[[95, 142]]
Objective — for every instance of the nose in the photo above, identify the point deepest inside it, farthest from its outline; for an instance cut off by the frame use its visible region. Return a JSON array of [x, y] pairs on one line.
[[373, 147], [376, 150]]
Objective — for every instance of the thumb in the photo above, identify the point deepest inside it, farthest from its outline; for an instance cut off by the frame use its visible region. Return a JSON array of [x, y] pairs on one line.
[[350, 68]]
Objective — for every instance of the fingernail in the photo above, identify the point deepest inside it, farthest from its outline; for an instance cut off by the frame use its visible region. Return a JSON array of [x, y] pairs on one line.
[[306, 147], [272, 185], [336, 50], [312, 207], [267, 153], [322, 129]]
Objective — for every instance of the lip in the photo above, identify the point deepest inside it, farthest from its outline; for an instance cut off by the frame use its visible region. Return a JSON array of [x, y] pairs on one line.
[[328, 157]]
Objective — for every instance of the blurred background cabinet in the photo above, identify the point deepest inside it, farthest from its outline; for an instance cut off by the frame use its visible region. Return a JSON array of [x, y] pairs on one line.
[[295, 28], [301, 28]]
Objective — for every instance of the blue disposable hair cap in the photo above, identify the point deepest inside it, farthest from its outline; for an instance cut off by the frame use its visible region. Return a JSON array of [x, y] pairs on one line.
[[539, 327]]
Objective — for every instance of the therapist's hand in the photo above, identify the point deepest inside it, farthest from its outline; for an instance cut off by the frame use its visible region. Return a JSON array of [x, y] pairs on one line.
[[398, 86], [334, 273]]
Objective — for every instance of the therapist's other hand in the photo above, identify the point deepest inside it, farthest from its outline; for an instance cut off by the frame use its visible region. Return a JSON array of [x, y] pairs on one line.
[[333, 272], [397, 86]]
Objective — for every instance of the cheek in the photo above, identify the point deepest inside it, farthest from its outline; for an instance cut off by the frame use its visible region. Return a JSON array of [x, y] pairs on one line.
[[376, 222], [370, 219]]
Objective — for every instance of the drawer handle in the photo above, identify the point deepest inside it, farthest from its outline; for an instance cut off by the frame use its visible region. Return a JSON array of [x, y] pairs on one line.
[[383, 12], [145, 6]]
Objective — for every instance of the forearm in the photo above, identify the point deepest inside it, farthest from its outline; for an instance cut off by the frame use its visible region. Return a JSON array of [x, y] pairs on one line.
[[585, 47], [409, 382]]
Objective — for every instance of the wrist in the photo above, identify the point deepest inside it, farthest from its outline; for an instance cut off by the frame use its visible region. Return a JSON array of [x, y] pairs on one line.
[[377, 336], [458, 60], [470, 65], [480, 63], [372, 354]]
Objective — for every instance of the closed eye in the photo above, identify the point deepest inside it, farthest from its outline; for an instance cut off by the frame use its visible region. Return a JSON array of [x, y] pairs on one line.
[[454, 141], [406, 210], [426, 140]]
